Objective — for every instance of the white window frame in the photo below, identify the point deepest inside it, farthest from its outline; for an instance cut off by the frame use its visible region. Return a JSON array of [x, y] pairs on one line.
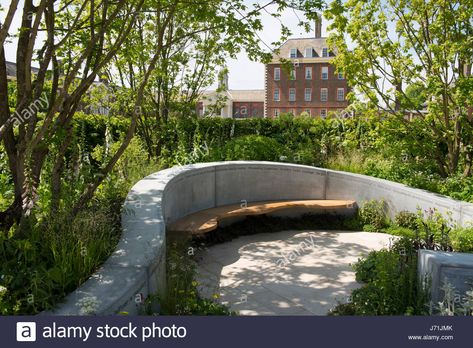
[[276, 113], [278, 95], [324, 91], [308, 69], [308, 92], [325, 53], [323, 113], [293, 53], [277, 74], [309, 112], [293, 74], [342, 94], [340, 76], [324, 73], [292, 94], [311, 50]]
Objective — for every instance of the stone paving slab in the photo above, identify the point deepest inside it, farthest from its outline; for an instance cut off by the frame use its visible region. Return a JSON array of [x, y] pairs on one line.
[[285, 273]]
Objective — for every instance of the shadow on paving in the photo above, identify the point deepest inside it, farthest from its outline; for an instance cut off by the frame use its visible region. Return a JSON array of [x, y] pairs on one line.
[[286, 272]]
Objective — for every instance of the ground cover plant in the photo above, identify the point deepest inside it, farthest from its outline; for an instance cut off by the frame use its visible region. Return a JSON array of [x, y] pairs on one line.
[[181, 296], [390, 282]]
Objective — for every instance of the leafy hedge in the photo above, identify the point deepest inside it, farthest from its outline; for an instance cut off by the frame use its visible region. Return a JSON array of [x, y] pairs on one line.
[[367, 145]]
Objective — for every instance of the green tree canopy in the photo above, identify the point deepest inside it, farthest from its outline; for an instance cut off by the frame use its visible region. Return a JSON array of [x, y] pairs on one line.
[[386, 46]]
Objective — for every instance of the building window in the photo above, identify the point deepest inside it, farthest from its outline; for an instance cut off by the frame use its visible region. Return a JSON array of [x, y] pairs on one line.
[[308, 94], [308, 73], [323, 94], [277, 74], [293, 53], [340, 94], [323, 113], [276, 94], [309, 52], [293, 74], [340, 76], [292, 94], [325, 73], [276, 112], [308, 112], [325, 52]]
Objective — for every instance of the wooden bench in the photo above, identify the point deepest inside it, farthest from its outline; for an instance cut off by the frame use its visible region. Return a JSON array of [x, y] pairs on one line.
[[207, 220]]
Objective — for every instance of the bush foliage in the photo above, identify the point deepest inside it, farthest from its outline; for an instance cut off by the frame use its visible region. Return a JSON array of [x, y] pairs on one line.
[[390, 285]]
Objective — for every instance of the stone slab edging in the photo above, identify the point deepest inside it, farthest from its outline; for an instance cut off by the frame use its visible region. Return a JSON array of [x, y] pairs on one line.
[[137, 266], [436, 268]]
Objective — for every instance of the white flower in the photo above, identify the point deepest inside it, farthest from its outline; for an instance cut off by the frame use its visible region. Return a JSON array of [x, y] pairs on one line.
[[88, 305]]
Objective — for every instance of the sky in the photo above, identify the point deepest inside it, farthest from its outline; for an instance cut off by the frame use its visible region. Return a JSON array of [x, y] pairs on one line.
[[243, 73]]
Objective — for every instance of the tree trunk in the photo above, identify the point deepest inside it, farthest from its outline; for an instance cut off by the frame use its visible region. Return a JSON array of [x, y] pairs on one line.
[[57, 172]]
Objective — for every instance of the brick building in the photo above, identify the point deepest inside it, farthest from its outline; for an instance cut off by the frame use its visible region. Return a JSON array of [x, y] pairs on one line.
[[232, 104], [311, 84]]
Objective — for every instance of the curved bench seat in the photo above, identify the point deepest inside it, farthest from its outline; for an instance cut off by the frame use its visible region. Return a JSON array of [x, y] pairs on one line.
[[207, 220], [137, 267]]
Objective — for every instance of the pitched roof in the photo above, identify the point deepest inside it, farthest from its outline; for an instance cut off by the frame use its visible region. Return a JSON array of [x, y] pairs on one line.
[[238, 95], [247, 95], [317, 45], [11, 69]]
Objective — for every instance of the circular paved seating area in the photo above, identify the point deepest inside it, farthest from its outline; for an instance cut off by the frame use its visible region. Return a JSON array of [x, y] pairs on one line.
[[285, 273]]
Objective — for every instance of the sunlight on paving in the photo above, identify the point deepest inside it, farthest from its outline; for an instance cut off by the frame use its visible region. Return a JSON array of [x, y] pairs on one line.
[[285, 273]]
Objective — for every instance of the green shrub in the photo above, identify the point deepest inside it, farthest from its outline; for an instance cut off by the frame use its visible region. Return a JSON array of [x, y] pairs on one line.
[[182, 297], [365, 268], [252, 148], [390, 284], [462, 240], [434, 230], [406, 219], [373, 213], [343, 309], [401, 231], [457, 187], [370, 228]]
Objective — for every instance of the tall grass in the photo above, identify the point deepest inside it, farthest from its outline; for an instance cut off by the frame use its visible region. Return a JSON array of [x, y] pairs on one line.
[[181, 296], [349, 161], [38, 269]]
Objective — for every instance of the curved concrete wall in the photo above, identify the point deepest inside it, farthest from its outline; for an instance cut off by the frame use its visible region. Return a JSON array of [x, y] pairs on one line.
[[137, 267]]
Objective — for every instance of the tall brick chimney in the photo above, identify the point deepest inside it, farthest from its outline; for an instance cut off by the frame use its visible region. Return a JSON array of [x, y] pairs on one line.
[[318, 26]]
